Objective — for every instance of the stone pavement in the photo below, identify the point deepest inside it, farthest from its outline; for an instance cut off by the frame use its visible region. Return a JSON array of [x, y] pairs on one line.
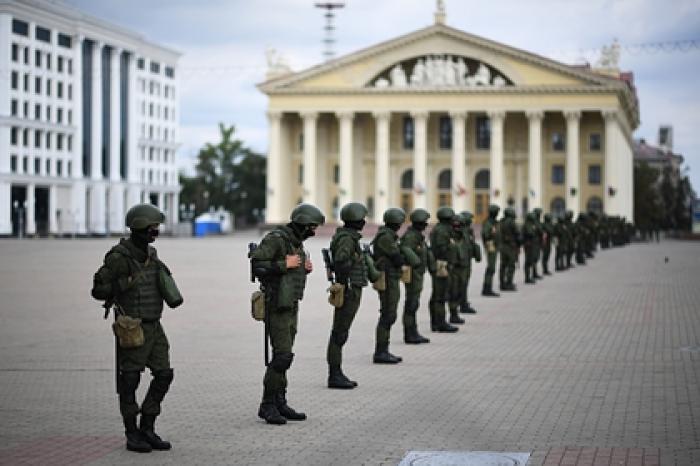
[[597, 365]]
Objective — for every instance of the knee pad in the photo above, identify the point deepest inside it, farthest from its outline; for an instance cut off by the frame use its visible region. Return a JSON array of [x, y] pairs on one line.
[[281, 361], [339, 338]]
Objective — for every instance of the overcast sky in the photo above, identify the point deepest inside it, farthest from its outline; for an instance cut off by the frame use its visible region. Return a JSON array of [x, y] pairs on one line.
[[224, 41]]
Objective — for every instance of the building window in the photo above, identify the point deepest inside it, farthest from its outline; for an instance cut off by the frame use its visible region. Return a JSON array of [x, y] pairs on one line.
[[557, 174], [483, 133], [301, 141], [407, 180], [37, 111], [445, 132], [20, 27], [300, 174], [595, 204], [15, 52], [48, 140], [37, 58], [13, 164], [59, 64], [48, 61], [37, 139], [25, 164], [140, 63], [155, 67], [43, 34], [64, 40], [408, 133], [13, 135], [25, 138], [14, 79], [26, 55], [48, 113], [169, 72], [70, 92], [70, 66], [59, 90], [59, 115], [557, 207], [59, 167], [594, 174], [25, 109], [14, 107], [69, 140], [37, 166], [594, 142], [69, 168], [558, 141], [37, 85], [26, 82], [48, 167]]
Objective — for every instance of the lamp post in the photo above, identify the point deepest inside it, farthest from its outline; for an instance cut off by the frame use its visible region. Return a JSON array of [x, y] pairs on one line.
[[19, 208]]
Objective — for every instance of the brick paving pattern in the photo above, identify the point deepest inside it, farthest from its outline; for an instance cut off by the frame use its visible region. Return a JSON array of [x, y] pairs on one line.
[[597, 365]]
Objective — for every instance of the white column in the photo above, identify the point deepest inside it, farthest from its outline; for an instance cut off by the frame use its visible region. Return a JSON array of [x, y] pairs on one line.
[[77, 81], [611, 186], [310, 158], [116, 193], [460, 196], [381, 165], [347, 175], [535, 187], [6, 208], [497, 195], [274, 193], [518, 193], [420, 160], [5, 59], [98, 207], [573, 162], [132, 154], [53, 219], [30, 227], [174, 210]]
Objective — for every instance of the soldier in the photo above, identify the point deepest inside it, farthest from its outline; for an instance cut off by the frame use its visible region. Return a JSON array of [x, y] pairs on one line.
[[414, 240], [351, 272], [388, 258], [131, 278], [537, 253], [570, 238], [489, 236], [439, 246], [475, 254], [282, 264], [459, 256], [509, 250], [604, 232], [529, 238], [581, 235], [547, 235]]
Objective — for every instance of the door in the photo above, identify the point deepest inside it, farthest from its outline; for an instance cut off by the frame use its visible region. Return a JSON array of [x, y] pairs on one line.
[[481, 207]]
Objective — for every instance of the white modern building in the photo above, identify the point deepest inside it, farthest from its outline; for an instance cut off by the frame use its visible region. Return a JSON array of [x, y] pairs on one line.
[[88, 122]]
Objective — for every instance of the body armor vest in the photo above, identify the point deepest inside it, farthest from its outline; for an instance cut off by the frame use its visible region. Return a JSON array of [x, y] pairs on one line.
[[142, 298], [357, 275], [292, 283]]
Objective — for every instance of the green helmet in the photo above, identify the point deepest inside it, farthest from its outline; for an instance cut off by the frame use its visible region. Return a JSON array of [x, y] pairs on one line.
[[419, 216], [307, 214], [394, 215], [468, 216], [353, 212], [509, 212], [142, 215], [493, 210], [445, 213], [530, 217], [459, 219]]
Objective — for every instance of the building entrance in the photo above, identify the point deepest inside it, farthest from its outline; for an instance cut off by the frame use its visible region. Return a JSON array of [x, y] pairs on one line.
[[482, 182], [18, 204]]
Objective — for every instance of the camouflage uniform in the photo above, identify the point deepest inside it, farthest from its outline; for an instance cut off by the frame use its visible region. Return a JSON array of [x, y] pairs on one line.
[[547, 235], [414, 240], [439, 246], [509, 250], [475, 254], [490, 238]]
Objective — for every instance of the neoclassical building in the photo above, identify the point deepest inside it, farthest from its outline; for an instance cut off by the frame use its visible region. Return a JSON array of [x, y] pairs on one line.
[[442, 117]]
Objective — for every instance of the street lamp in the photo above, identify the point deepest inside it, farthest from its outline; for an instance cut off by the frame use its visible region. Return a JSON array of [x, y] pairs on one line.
[[19, 208]]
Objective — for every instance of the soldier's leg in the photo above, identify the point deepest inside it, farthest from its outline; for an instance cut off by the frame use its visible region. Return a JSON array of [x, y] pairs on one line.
[[342, 321], [163, 374], [389, 300], [487, 289], [466, 307], [411, 305], [455, 287], [275, 381]]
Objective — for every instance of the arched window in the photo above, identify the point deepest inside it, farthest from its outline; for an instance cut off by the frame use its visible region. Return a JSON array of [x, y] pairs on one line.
[[595, 204], [557, 207], [482, 180], [334, 207], [407, 179], [445, 179]]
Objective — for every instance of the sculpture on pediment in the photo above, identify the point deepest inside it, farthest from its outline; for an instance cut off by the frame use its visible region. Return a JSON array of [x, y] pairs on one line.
[[482, 77], [276, 63], [418, 74], [610, 56], [398, 76]]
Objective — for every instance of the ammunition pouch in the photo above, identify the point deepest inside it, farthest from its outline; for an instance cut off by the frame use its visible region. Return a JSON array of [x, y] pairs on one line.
[[168, 289], [490, 246], [406, 273], [380, 283], [336, 295], [441, 269], [257, 305], [128, 331]]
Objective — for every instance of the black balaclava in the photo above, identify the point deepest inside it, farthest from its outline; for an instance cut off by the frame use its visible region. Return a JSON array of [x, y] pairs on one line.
[[305, 231], [393, 226], [144, 236], [356, 224], [420, 226]]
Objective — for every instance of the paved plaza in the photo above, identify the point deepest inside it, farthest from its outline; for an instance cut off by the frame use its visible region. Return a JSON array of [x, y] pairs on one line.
[[597, 365]]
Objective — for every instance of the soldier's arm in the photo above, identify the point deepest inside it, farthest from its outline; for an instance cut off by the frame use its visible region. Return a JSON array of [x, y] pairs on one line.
[[440, 244], [410, 241], [390, 249], [111, 278], [343, 255], [269, 258]]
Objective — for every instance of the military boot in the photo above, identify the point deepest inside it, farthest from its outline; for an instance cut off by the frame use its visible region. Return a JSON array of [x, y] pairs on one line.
[[336, 379], [487, 290], [528, 276], [270, 413], [412, 337], [134, 439], [383, 356], [444, 327], [467, 308], [149, 435], [285, 410], [545, 270], [454, 317]]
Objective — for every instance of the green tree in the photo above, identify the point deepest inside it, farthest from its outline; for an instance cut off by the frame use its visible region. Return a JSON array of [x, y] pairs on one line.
[[228, 175], [648, 209], [668, 198]]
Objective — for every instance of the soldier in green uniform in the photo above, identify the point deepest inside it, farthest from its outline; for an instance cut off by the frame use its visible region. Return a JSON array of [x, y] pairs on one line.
[[490, 237], [414, 240], [281, 263], [581, 238], [569, 234], [538, 241], [529, 238], [351, 272], [604, 228], [547, 235], [459, 256], [131, 279], [475, 254], [509, 250], [388, 258], [439, 245]]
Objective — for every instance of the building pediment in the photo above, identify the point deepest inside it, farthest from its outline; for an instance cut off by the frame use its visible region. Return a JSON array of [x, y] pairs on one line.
[[436, 57]]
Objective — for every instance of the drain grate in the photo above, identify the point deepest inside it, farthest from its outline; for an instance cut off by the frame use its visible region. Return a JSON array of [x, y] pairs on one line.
[[464, 458]]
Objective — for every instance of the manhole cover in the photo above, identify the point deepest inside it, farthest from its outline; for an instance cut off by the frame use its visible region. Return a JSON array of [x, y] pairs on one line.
[[464, 458], [691, 349]]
